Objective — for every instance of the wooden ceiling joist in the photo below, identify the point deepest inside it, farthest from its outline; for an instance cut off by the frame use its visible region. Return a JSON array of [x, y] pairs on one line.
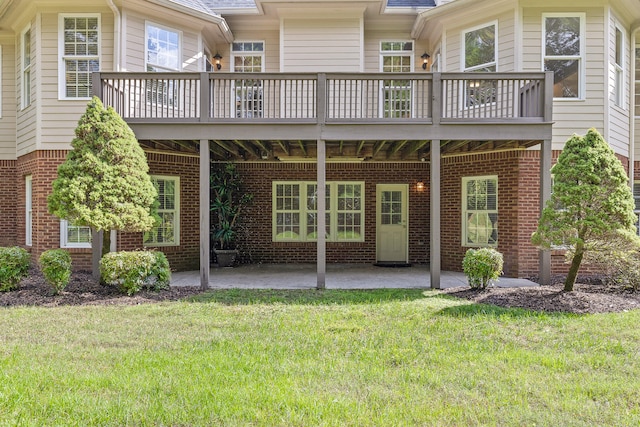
[[377, 147], [303, 148], [285, 147], [359, 149]]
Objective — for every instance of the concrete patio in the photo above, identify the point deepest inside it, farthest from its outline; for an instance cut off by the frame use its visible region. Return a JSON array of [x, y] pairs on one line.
[[339, 276]]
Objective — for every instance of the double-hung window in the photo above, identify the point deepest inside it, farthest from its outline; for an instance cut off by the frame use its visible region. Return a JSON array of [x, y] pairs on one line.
[[28, 229], [563, 52], [480, 53], [295, 211], [167, 231], [74, 236], [25, 39], [480, 211], [637, 78], [618, 69], [162, 54], [396, 57], [80, 54], [248, 57]]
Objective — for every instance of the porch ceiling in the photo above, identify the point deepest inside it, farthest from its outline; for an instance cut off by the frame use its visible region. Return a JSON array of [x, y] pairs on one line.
[[299, 150]]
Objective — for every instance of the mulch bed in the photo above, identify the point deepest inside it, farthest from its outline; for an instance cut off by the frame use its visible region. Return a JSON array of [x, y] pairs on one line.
[[588, 296]]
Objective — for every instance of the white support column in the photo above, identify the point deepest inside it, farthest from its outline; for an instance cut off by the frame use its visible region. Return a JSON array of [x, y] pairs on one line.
[[204, 213], [321, 244], [434, 186], [113, 241], [545, 193]]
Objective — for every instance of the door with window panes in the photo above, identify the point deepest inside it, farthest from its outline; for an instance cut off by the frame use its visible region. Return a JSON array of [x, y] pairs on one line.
[[248, 57], [396, 57], [392, 224]]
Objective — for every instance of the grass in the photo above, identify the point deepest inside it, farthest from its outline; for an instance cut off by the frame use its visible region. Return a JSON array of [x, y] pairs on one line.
[[310, 358]]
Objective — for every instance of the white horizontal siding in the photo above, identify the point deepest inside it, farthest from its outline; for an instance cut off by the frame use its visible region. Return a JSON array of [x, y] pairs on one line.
[[8, 120], [60, 117], [321, 45], [572, 116]]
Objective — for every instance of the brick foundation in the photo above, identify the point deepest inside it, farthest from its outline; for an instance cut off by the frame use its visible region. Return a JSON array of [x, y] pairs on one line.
[[518, 208]]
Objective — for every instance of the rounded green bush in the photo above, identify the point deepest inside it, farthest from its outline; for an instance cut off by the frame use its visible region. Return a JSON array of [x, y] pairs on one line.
[[131, 271], [14, 265], [56, 268], [482, 266]]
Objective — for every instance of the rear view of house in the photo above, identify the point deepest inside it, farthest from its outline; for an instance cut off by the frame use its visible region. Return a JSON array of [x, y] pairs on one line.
[[429, 126]]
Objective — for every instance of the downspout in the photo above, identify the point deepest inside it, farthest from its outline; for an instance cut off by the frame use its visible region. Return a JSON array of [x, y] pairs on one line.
[[632, 106], [117, 24], [117, 19]]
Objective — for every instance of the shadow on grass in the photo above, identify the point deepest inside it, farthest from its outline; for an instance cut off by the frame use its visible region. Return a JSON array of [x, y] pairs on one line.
[[306, 296], [471, 309]]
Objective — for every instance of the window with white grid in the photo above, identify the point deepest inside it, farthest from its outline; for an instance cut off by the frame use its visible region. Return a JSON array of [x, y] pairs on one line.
[[295, 211], [25, 92], [563, 52], [396, 57], [74, 236], [28, 232], [480, 211], [80, 54], [248, 57], [167, 231]]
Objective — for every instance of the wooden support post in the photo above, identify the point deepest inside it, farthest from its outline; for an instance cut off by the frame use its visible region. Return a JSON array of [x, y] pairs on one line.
[[321, 243], [434, 263], [545, 194], [204, 213]]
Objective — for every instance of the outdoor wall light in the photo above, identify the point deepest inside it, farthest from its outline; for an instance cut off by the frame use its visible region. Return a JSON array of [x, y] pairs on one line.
[[217, 57], [420, 186], [425, 58]]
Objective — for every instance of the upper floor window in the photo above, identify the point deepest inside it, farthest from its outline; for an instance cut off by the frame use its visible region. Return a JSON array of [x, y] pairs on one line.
[[396, 57], [563, 52], [480, 49], [618, 89], [26, 68], [80, 54], [637, 103], [248, 57], [480, 53], [163, 49]]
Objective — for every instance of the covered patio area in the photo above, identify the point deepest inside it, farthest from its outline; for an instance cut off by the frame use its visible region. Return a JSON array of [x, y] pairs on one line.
[[338, 276]]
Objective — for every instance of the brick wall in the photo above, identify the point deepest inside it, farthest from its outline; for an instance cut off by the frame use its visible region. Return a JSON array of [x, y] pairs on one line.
[[259, 247], [8, 203], [186, 256]]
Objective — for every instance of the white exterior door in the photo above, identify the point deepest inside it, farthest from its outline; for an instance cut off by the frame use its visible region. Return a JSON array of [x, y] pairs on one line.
[[392, 224]]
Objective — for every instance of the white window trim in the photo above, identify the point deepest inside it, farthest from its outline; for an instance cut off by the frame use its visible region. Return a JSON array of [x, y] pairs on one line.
[[333, 212], [409, 53], [463, 53], [619, 71], [464, 210], [146, 45], [234, 53], [62, 84], [64, 235], [24, 70], [176, 211], [582, 86], [28, 181]]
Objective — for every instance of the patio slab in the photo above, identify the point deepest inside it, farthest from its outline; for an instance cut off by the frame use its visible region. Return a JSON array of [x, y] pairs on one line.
[[339, 276]]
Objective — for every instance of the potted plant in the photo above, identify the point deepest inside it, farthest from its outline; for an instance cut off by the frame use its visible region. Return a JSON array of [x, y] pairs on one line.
[[228, 200]]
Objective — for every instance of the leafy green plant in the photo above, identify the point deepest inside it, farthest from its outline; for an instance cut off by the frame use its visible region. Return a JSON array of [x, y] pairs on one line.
[[592, 190], [56, 268], [482, 266], [14, 265], [131, 271], [104, 182], [227, 204]]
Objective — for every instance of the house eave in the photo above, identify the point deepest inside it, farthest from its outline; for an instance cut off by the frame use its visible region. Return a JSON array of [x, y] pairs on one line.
[[213, 18]]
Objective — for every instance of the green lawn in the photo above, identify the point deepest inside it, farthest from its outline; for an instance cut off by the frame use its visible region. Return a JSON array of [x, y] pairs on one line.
[[308, 358]]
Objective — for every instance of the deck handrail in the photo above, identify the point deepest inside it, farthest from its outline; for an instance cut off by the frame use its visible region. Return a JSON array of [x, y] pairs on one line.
[[326, 97]]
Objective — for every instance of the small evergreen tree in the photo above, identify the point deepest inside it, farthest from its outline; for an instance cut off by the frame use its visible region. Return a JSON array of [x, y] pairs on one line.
[[104, 182], [590, 204]]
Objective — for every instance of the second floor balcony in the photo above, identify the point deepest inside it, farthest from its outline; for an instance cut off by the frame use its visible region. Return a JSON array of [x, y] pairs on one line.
[[331, 106]]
